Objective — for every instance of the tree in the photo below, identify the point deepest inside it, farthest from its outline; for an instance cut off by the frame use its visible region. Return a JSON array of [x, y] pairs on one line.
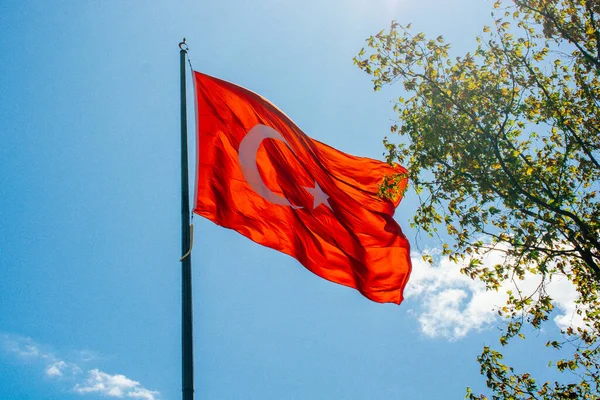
[[502, 146]]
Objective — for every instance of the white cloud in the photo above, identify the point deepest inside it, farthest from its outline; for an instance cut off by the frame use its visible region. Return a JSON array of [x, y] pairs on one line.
[[114, 386], [564, 294], [21, 346], [451, 304], [96, 381], [26, 349], [55, 369], [87, 355]]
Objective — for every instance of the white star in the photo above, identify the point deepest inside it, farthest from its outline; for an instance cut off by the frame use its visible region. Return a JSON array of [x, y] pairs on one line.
[[319, 195]]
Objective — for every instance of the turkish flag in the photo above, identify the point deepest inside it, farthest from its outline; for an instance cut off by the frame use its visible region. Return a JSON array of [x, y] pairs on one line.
[[259, 174]]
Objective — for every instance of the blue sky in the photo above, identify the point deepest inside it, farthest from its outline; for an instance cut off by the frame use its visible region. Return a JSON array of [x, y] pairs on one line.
[[89, 211]]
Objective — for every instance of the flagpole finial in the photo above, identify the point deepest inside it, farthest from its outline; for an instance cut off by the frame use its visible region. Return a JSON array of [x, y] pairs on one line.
[[183, 45]]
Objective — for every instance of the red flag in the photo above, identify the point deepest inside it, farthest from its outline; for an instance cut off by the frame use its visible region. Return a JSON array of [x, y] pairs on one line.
[[259, 174]]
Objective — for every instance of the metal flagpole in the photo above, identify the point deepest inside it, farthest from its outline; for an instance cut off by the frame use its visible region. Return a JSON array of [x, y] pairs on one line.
[[187, 346]]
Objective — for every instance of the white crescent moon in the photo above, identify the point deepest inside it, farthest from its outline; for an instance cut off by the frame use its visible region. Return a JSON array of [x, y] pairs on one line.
[[247, 159]]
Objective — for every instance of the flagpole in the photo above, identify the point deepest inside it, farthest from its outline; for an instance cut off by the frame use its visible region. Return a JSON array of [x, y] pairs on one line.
[[187, 347]]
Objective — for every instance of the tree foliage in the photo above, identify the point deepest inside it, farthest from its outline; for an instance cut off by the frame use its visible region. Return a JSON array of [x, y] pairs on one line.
[[503, 147]]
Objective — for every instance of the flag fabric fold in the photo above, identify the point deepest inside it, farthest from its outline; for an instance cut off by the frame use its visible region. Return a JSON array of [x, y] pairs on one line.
[[259, 174]]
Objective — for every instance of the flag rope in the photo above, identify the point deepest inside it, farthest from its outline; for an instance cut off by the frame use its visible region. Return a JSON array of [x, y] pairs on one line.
[[186, 255]]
